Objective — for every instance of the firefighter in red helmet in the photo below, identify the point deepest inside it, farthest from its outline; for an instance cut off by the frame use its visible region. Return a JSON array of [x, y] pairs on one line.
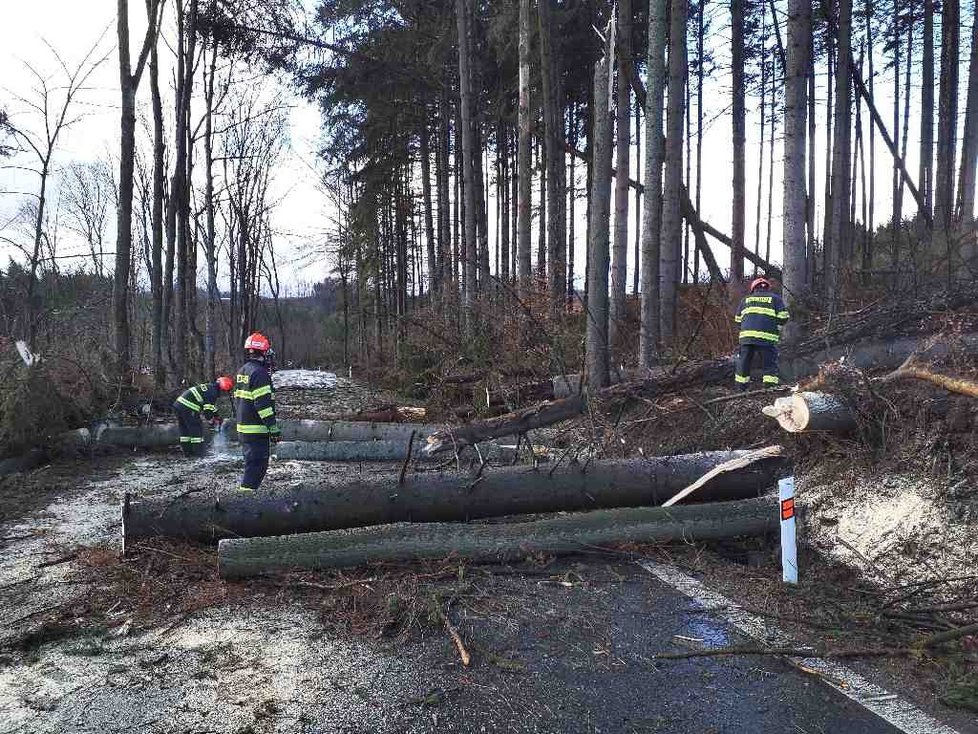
[[254, 400], [760, 316], [196, 402]]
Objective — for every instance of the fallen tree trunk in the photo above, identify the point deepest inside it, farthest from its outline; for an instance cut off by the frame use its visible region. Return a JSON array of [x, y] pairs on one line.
[[872, 355], [520, 422], [388, 414], [353, 431], [242, 557], [811, 411], [168, 434], [382, 451], [140, 437], [343, 450], [442, 496]]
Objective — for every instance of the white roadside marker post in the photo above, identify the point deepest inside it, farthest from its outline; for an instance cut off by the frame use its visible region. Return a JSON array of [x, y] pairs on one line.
[[789, 546]]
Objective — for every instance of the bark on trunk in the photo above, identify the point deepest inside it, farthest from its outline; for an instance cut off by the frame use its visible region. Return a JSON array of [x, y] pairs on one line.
[[429, 217], [553, 118], [739, 116], [837, 244], [159, 179], [598, 226], [441, 497], [969, 162], [795, 213], [947, 119], [811, 411], [523, 154], [123, 248], [142, 437], [619, 249], [671, 254], [652, 211], [469, 152], [344, 450], [495, 542], [210, 247], [926, 176]]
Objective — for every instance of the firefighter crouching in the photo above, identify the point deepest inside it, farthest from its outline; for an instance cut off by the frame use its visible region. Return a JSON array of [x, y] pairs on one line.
[[761, 315], [196, 402], [254, 402]]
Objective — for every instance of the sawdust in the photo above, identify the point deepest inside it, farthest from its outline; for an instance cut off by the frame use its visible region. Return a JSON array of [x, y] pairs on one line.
[[898, 528]]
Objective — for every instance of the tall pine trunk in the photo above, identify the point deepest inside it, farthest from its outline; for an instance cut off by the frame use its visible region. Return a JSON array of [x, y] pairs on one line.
[[128, 84], [619, 250], [442, 175], [841, 154], [597, 351], [947, 116], [672, 222], [468, 153], [553, 123], [738, 217], [652, 210], [969, 161], [429, 219], [210, 246], [797, 56], [926, 176], [523, 153], [159, 182], [969, 143]]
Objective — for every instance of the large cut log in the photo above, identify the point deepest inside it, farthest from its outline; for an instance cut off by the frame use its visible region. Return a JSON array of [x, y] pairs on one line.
[[439, 496], [353, 431], [140, 437], [343, 450], [388, 414], [382, 451], [168, 434], [811, 411], [241, 557], [869, 355]]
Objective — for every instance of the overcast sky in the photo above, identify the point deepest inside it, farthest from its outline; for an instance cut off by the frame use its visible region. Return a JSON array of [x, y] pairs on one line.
[[72, 27]]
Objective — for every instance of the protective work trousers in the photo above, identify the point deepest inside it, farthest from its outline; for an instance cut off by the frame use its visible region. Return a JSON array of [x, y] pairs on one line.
[[191, 431], [767, 353], [255, 450]]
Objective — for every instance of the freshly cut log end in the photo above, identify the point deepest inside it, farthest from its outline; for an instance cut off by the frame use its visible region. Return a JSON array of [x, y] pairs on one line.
[[243, 557], [811, 411]]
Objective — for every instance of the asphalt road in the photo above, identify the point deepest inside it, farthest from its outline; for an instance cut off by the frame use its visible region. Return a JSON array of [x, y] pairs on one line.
[[579, 660]]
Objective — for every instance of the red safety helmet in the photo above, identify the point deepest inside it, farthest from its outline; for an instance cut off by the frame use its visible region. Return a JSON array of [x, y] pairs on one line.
[[760, 283], [257, 342], [225, 383]]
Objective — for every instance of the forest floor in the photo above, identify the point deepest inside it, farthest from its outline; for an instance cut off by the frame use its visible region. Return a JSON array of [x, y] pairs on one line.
[[90, 642]]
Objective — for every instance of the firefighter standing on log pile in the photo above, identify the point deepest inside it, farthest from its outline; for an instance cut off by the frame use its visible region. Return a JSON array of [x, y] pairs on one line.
[[761, 315], [196, 402], [254, 401]]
